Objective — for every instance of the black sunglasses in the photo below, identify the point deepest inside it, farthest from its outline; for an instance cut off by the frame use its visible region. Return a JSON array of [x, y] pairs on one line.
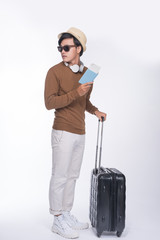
[[66, 48]]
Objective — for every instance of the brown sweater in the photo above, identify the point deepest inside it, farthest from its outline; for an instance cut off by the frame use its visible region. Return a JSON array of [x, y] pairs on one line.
[[61, 94]]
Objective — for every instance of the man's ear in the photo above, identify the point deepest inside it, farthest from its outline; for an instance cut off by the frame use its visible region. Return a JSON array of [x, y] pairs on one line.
[[79, 49]]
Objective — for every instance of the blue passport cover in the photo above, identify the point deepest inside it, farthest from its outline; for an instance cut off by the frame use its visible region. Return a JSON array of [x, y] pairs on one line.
[[88, 76]]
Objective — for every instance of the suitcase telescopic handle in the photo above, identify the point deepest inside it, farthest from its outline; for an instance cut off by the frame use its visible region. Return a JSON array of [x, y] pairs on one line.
[[100, 153]]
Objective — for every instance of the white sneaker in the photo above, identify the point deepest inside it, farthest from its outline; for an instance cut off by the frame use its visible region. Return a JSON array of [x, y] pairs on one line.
[[62, 228], [73, 222]]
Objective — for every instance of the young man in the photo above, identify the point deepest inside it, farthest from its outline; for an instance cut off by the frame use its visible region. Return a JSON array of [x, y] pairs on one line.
[[70, 99]]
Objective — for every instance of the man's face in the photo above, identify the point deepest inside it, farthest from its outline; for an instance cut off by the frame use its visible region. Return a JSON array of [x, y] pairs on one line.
[[73, 54]]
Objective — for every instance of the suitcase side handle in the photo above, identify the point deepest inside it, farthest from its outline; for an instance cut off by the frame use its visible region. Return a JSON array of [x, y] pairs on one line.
[[100, 153]]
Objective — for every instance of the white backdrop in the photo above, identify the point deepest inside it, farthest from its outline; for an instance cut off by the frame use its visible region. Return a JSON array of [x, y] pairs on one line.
[[123, 38]]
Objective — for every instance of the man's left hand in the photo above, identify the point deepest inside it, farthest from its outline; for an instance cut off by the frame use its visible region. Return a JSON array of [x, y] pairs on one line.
[[100, 115]]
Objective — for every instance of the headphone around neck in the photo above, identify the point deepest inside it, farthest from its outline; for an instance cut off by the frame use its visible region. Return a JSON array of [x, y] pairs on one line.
[[75, 68]]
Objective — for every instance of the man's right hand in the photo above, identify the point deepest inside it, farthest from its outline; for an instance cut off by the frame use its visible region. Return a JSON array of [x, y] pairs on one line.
[[84, 88]]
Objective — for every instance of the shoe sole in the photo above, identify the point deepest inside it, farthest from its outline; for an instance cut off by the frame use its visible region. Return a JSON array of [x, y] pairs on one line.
[[83, 228], [63, 235]]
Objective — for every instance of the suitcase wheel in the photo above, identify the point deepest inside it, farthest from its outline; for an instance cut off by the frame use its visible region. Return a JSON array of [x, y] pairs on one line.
[[98, 234], [119, 234]]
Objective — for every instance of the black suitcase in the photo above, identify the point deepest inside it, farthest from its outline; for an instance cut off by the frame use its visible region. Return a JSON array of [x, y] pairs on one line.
[[107, 196]]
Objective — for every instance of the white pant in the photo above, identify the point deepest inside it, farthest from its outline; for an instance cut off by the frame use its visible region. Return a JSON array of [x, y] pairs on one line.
[[67, 154]]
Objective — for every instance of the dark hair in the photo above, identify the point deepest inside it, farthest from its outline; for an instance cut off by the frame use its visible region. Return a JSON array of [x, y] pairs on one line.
[[76, 42]]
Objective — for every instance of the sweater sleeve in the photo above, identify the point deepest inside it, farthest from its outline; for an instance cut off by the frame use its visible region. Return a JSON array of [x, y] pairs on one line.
[[52, 99], [89, 107]]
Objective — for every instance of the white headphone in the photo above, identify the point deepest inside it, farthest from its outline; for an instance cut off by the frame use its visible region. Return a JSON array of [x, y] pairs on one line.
[[75, 68]]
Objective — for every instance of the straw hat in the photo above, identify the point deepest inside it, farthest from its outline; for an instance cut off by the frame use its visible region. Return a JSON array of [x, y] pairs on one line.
[[81, 37]]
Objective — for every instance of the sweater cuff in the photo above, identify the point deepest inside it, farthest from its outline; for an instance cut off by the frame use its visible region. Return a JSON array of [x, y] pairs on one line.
[[93, 110], [74, 94]]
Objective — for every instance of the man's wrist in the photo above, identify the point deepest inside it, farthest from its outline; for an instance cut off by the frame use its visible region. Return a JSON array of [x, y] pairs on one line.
[[96, 112]]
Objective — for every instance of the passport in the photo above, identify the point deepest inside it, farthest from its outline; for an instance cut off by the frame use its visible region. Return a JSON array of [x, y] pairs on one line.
[[90, 74]]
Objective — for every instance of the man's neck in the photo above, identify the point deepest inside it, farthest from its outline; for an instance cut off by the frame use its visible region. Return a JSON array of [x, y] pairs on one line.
[[75, 61]]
